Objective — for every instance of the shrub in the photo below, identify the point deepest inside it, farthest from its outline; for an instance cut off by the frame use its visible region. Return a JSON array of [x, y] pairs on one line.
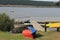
[[6, 24]]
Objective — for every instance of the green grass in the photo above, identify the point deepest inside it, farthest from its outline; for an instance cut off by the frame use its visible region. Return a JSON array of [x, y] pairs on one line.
[[51, 35]]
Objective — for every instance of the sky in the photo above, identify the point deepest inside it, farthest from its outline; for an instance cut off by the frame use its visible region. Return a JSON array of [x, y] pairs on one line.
[[47, 0]]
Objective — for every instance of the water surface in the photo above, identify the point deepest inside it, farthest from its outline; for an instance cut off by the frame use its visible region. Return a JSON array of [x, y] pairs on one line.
[[34, 13]]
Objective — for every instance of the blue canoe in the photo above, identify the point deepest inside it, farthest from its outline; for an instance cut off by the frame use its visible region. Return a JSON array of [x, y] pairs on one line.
[[31, 29]]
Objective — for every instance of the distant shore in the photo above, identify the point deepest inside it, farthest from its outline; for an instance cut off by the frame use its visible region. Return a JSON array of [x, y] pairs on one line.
[[29, 6]]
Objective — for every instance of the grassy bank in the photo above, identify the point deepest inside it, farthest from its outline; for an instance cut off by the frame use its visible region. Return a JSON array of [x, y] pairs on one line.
[[51, 35]]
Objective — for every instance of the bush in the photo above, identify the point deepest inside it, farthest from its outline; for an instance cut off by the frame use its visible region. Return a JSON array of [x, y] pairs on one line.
[[6, 24]]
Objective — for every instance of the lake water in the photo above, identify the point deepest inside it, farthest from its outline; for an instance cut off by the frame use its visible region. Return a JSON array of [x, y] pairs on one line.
[[33, 13]]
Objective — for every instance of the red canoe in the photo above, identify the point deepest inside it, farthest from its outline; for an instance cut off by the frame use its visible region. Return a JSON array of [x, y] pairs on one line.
[[27, 33]]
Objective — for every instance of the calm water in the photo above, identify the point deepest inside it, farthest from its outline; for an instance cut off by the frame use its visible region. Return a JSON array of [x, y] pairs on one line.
[[34, 13]]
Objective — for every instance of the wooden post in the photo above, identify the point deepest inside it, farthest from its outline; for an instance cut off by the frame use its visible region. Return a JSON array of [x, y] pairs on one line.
[[45, 28], [57, 29]]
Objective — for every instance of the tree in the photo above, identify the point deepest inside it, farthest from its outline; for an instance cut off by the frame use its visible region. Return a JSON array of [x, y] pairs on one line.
[[5, 22], [58, 3]]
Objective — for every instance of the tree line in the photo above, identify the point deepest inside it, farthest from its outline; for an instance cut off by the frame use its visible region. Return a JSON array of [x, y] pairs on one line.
[[28, 2]]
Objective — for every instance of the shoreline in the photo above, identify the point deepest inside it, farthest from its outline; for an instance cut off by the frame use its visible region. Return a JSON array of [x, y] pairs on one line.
[[29, 6]]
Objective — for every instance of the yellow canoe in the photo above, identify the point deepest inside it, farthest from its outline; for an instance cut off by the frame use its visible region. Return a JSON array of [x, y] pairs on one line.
[[53, 25]]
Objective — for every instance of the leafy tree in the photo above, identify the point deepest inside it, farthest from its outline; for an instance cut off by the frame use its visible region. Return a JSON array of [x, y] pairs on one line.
[[5, 22], [58, 3]]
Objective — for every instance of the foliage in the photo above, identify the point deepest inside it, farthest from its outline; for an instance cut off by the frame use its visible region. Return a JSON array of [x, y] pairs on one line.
[[27, 2], [58, 3], [5, 22]]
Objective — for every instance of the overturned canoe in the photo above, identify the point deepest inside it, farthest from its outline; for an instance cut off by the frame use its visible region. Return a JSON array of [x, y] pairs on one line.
[[53, 25]]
